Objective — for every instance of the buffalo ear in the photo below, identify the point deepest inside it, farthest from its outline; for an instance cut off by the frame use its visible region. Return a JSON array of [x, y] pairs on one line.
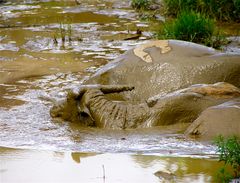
[[85, 116], [82, 107], [83, 110]]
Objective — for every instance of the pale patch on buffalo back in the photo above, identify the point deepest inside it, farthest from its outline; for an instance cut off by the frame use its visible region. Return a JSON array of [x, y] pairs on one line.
[[162, 44]]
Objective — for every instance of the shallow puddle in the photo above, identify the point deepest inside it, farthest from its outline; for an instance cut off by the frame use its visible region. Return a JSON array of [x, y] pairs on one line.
[[50, 34], [48, 166]]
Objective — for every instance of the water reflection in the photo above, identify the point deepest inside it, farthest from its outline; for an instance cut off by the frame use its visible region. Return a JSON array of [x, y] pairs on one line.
[[184, 169], [47, 166], [77, 156]]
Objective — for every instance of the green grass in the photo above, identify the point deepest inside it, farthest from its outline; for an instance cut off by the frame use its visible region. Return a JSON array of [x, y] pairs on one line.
[[140, 4], [193, 27], [189, 26], [229, 153], [65, 33], [223, 10], [174, 7]]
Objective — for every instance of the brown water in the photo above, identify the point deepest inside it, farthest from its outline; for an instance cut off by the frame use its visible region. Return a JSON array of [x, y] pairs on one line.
[[37, 67], [46, 166]]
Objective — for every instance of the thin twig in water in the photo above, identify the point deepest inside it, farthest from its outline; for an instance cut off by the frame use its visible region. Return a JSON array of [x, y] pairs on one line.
[[103, 173]]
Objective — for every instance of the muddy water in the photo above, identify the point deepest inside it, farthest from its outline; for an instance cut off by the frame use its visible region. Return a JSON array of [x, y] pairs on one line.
[[47, 166], [49, 47]]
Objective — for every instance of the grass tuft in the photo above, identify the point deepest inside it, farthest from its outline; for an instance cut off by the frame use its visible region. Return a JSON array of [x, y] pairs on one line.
[[189, 26], [140, 4], [223, 10], [229, 153]]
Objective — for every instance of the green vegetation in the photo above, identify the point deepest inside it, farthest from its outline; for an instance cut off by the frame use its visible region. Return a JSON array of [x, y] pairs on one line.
[[194, 20], [229, 153], [222, 10], [64, 32], [174, 7], [69, 32], [140, 4], [191, 26]]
